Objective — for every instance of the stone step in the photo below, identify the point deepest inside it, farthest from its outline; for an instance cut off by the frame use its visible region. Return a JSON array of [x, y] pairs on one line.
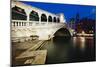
[[26, 53], [39, 57]]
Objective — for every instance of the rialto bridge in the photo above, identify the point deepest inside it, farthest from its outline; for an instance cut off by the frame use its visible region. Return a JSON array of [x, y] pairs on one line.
[[29, 21]]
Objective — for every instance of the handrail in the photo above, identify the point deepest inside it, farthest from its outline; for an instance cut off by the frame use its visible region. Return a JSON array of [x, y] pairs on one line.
[[33, 23]]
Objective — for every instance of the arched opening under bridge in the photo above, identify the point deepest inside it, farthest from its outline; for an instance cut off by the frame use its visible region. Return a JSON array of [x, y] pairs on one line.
[[62, 34]]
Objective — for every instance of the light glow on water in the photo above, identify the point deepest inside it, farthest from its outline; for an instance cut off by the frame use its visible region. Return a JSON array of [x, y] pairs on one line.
[[81, 41], [82, 44]]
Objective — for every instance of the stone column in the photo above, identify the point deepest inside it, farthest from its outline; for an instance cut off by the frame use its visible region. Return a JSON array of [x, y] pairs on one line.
[[28, 16], [47, 19], [39, 17]]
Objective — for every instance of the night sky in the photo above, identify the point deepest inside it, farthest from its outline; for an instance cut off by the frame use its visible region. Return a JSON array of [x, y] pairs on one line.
[[69, 10]]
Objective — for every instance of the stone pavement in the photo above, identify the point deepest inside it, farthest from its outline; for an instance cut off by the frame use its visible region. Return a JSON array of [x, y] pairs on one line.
[[40, 57], [27, 53], [24, 45], [32, 57]]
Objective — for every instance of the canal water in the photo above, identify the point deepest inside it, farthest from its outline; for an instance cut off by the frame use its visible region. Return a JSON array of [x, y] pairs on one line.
[[75, 49]]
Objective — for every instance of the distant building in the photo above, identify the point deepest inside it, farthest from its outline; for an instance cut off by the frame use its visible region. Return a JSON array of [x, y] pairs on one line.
[[86, 25], [72, 23]]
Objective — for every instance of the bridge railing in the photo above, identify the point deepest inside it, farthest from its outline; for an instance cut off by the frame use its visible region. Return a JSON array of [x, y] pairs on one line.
[[24, 23]]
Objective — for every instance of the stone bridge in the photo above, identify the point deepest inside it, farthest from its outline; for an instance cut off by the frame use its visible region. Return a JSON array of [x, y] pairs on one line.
[[29, 21]]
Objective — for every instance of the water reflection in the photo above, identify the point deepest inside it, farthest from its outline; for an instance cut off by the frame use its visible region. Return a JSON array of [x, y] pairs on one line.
[[82, 43], [74, 41], [79, 42], [61, 50]]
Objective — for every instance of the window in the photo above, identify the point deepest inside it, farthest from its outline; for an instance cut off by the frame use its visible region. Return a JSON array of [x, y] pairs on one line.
[[34, 16], [54, 19], [18, 13], [43, 18], [49, 19]]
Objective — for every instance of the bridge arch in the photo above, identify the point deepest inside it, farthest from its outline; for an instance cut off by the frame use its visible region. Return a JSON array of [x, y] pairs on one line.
[[34, 16], [62, 33], [43, 18], [18, 13], [54, 19], [58, 20], [49, 19]]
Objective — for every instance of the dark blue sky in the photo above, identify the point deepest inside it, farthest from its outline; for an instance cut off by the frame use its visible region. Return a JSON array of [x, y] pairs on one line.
[[69, 10]]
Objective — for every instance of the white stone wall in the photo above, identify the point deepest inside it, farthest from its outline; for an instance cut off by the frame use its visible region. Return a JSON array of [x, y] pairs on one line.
[[62, 18], [29, 8], [44, 30]]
